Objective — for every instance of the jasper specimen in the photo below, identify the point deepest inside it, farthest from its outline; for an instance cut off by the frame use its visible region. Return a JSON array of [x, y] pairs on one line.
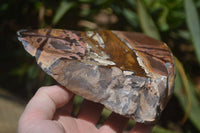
[[129, 73]]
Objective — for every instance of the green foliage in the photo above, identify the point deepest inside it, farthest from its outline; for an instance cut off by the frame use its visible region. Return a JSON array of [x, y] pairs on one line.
[[62, 9], [146, 21], [193, 24], [187, 96], [174, 21], [158, 129]]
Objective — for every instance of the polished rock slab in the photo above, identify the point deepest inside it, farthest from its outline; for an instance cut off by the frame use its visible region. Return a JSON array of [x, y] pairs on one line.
[[129, 73]]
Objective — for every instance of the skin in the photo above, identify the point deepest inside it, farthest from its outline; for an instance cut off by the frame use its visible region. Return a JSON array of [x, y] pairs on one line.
[[50, 108]]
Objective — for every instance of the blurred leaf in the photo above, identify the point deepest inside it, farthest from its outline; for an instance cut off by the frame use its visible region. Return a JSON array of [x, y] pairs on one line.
[[33, 71], [158, 129], [130, 124], [150, 2], [162, 21], [106, 112], [85, 1], [48, 80], [38, 5], [184, 79], [198, 4], [20, 71], [102, 2], [184, 34], [77, 101], [146, 21], [62, 9], [181, 95], [4, 7], [131, 17], [85, 12], [194, 114], [193, 25], [131, 2], [104, 115]]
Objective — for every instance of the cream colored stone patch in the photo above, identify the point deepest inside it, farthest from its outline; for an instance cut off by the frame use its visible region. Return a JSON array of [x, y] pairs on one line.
[[128, 72], [89, 33], [104, 62], [98, 38]]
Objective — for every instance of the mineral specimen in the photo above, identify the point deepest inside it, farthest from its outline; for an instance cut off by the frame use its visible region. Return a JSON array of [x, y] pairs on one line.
[[129, 73]]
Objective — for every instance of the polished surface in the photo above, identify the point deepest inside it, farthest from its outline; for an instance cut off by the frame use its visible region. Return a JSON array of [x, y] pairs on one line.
[[130, 73]]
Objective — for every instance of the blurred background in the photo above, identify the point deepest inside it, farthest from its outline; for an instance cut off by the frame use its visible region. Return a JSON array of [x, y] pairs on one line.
[[176, 22]]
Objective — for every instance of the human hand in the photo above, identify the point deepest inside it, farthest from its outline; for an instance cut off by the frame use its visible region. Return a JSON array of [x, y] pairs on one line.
[[49, 111]]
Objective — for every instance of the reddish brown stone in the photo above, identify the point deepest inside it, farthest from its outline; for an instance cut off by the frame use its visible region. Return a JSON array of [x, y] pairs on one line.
[[130, 73]]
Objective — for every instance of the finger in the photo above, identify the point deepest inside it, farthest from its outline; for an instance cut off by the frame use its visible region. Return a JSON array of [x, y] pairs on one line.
[[42, 126], [90, 111], [44, 103], [115, 123], [141, 128], [64, 111]]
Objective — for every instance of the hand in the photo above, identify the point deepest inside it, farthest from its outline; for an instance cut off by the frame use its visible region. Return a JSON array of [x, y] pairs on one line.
[[49, 112]]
